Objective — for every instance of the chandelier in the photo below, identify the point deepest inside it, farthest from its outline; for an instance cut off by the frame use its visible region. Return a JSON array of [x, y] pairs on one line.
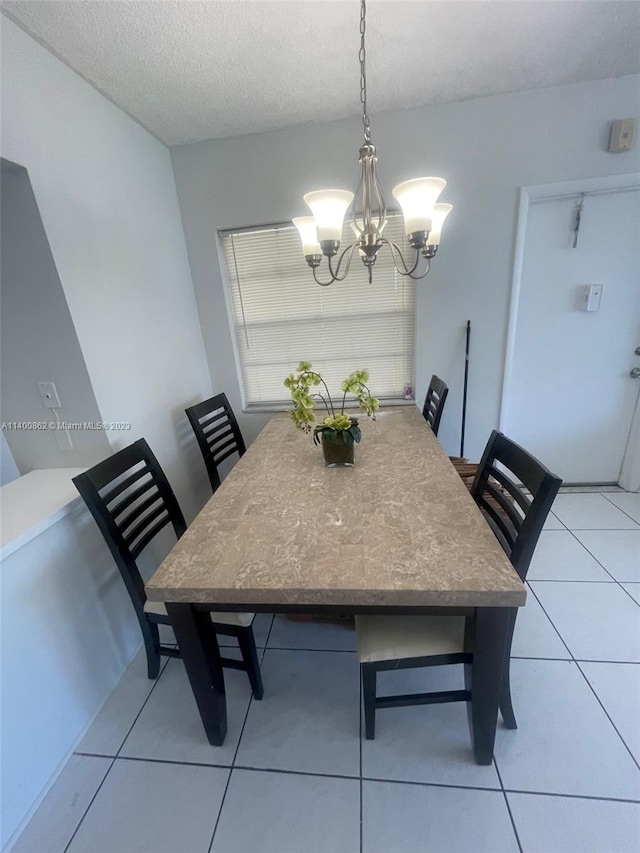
[[423, 218]]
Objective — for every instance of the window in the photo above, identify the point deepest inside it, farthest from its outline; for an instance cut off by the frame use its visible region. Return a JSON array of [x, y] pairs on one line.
[[280, 315]]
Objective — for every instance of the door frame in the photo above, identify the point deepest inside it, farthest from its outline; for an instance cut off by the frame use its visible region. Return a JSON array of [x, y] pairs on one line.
[[630, 474]]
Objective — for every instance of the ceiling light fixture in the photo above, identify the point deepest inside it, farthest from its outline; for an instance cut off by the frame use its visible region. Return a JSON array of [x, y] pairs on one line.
[[423, 218]]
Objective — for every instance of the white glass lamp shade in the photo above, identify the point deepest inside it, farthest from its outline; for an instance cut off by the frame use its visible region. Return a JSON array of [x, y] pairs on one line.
[[417, 199], [328, 208], [440, 213], [307, 230]]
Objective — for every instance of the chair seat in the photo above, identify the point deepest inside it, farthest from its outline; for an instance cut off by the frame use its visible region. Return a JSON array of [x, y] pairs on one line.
[[241, 620], [398, 637]]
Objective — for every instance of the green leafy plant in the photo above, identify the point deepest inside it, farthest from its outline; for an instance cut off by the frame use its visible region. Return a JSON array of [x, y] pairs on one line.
[[336, 422]]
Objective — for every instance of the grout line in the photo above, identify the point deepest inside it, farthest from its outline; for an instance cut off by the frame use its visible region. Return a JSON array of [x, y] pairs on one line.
[[602, 566], [604, 495], [572, 796], [113, 760], [569, 580], [162, 761], [633, 758], [577, 660], [573, 660], [508, 805], [571, 657], [385, 781], [233, 760], [157, 681], [294, 649], [86, 811]]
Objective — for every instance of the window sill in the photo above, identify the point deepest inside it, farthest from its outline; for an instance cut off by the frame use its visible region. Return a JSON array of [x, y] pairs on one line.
[[264, 408]]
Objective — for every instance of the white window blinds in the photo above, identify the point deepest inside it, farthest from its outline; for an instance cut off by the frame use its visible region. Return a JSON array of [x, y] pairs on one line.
[[280, 315]]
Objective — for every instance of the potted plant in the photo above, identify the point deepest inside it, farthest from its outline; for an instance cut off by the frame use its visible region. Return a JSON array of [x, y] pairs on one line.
[[338, 432]]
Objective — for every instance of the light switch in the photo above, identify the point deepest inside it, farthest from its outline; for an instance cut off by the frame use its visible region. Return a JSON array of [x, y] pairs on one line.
[[592, 296]]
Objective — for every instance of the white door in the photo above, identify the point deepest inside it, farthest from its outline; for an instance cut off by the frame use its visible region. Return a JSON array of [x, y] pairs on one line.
[[571, 398]]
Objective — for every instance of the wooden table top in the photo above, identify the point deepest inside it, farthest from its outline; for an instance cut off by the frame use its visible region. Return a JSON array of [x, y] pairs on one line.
[[398, 529]]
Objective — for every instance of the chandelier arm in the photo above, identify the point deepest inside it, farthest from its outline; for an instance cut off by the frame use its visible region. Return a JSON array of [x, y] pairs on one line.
[[336, 275], [424, 274], [321, 283], [396, 249]]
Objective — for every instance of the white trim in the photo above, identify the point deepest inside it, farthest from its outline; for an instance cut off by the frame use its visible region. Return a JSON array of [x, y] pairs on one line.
[[630, 471], [584, 185], [527, 196], [514, 299]]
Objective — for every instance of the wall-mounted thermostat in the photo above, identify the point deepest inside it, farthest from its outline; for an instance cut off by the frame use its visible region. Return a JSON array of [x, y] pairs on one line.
[[623, 135], [592, 296]]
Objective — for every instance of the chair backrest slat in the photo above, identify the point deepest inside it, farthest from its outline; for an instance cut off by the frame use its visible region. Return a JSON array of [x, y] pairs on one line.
[[129, 520], [138, 547], [434, 402], [217, 432], [131, 534]]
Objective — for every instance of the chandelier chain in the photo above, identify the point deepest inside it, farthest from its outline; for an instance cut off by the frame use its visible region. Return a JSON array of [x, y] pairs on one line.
[[363, 72]]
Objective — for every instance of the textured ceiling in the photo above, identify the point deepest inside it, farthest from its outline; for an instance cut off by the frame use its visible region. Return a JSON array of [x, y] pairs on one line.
[[194, 70]]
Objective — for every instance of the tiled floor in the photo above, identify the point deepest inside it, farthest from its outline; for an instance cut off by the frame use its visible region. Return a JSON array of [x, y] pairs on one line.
[[295, 776]]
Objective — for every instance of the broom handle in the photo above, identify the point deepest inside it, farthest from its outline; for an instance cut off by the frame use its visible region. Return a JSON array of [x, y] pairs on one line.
[[464, 390]]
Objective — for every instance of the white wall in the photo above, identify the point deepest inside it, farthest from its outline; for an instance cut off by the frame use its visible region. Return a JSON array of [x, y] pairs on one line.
[[68, 631], [107, 198], [38, 341], [485, 148], [106, 194], [8, 468]]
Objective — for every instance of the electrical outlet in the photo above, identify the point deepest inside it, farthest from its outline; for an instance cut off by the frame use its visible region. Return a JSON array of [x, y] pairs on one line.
[[49, 395]]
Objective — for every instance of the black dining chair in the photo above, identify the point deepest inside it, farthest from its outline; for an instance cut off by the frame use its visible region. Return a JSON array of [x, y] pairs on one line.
[[131, 501], [515, 505], [434, 402], [217, 433], [432, 411]]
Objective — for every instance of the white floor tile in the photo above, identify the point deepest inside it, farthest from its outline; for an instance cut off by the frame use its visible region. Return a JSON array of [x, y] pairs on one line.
[[552, 522], [409, 818], [591, 512], [597, 621], [148, 807], [628, 502], [286, 813], [617, 550], [617, 685], [633, 589], [560, 557], [308, 720], [287, 634], [170, 728], [51, 827], [568, 825], [424, 743], [534, 635], [564, 743], [111, 726]]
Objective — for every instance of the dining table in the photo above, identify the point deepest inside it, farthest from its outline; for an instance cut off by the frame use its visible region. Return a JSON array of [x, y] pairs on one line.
[[397, 533]]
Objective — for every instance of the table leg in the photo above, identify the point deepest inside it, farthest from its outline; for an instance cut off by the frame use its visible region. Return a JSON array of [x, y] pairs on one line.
[[200, 653], [484, 678]]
